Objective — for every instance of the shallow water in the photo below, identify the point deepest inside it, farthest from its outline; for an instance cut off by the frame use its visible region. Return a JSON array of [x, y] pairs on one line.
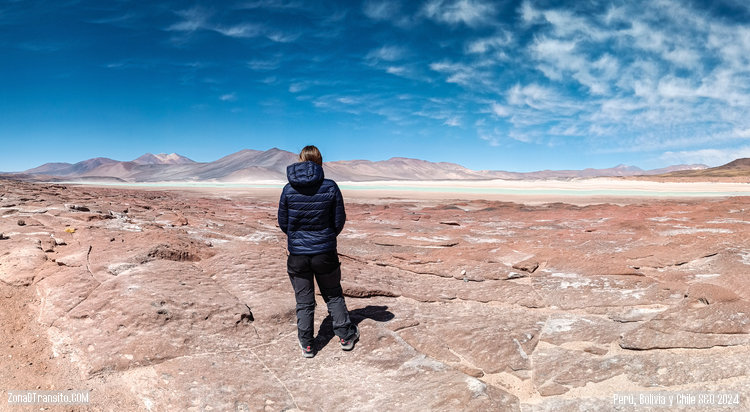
[[571, 191], [447, 188]]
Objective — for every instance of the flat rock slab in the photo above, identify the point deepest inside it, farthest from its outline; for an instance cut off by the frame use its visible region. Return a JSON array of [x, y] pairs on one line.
[[19, 266], [595, 330], [693, 325], [576, 291], [62, 290], [427, 287], [570, 368], [152, 313], [234, 381], [384, 373], [474, 337]]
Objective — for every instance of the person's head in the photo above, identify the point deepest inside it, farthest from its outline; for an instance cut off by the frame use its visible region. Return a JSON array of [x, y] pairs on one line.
[[311, 154]]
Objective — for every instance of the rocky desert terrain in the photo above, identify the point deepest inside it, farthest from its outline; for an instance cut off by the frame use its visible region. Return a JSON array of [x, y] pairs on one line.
[[166, 300]]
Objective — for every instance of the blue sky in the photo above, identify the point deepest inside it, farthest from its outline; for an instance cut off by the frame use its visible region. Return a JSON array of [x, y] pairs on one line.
[[504, 85]]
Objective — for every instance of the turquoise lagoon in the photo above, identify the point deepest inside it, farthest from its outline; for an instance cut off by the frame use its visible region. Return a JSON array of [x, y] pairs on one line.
[[744, 189]]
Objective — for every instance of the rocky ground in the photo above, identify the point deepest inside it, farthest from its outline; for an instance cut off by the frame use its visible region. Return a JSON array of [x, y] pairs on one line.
[[165, 300]]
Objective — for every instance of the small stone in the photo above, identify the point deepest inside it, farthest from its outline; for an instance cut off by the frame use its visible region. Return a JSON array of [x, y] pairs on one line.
[[21, 222], [117, 268], [59, 242], [515, 275], [3, 237], [450, 223], [596, 350], [47, 245], [527, 266], [78, 208], [552, 389]]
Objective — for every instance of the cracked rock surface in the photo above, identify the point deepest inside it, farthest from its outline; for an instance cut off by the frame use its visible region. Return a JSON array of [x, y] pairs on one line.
[[176, 300]]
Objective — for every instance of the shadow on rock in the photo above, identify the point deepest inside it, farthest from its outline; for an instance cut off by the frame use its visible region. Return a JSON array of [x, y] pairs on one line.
[[376, 313]]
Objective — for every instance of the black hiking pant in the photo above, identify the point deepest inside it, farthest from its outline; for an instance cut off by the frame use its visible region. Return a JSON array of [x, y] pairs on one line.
[[326, 269]]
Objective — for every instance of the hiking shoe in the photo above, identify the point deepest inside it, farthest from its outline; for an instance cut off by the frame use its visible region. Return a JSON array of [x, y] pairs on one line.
[[307, 351], [349, 344]]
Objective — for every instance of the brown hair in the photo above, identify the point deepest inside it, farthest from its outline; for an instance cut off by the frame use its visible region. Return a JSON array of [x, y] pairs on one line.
[[311, 154]]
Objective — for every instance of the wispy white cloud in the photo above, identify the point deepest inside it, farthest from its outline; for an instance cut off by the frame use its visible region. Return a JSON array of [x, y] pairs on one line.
[[374, 103], [494, 136], [281, 37], [271, 4], [493, 43], [127, 64], [229, 97], [710, 157], [121, 20], [387, 11], [539, 98], [683, 57], [528, 12], [193, 19], [520, 136], [46, 46], [438, 111], [469, 12], [454, 121], [244, 30], [348, 100], [387, 53], [470, 76], [381, 10], [560, 58], [394, 60], [337, 103], [500, 110], [189, 67], [300, 85], [491, 138], [264, 64], [297, 87], [397, 70], [196, 19]]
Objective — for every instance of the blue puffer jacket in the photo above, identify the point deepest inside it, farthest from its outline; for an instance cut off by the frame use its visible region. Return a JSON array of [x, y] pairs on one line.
[[311, 210]]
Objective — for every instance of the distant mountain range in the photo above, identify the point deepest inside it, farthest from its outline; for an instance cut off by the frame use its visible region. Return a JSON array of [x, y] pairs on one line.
[[255, 165], [736, 168]]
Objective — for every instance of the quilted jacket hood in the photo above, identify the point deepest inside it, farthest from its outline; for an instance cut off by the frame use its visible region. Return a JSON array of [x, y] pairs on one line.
[[304, 174]]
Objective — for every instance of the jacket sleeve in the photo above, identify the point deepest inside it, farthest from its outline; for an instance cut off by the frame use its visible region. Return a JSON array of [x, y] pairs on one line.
[[283, 216], [340, 213]]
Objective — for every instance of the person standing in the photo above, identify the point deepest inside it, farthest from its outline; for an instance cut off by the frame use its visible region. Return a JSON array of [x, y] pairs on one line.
[[311, 213]]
